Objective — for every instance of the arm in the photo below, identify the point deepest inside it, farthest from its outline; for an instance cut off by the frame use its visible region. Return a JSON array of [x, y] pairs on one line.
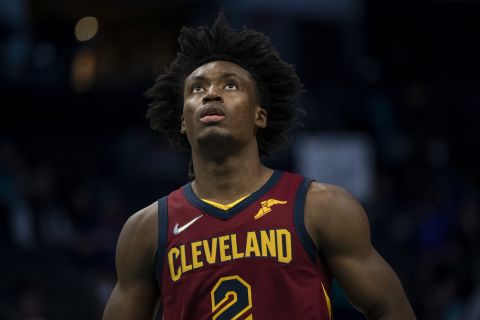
[[136, 293], [339, 227]]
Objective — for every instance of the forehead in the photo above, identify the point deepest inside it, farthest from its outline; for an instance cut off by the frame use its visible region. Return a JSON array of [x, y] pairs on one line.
[[219, 69]]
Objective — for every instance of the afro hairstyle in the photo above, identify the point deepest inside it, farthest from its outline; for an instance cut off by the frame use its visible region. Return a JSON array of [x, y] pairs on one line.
[[277, 84]]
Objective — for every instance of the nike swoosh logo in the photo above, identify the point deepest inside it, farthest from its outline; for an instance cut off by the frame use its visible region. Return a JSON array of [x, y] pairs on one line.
[[177, 229]]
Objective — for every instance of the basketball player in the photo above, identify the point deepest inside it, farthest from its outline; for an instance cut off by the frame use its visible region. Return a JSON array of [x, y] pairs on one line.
[[243, 241]]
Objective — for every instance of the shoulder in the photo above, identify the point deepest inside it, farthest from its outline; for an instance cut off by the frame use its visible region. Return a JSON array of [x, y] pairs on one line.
[[143, 221], [334, 217], [136, 292], [330, 198], [138, 238]]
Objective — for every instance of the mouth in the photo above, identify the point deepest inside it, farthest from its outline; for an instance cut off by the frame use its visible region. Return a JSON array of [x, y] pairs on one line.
[[211, 113]]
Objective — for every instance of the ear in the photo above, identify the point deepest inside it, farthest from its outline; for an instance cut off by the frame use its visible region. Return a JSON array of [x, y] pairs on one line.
[[183, 130], [260, 117]]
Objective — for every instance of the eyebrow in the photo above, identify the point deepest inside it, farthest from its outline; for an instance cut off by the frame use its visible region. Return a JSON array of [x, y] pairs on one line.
[[223, 76]]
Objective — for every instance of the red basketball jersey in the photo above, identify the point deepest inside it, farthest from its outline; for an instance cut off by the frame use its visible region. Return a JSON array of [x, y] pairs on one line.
[[253, 261]]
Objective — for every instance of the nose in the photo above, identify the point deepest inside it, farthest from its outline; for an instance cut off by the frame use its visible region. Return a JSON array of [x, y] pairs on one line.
[[212, 95]]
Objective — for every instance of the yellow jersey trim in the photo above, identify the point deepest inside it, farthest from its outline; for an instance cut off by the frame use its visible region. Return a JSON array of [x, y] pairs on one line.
[[327, 299], [225, 206]]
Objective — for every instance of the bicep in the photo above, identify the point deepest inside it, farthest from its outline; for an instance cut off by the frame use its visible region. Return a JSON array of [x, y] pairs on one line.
[[342, 232], [132, 302], [369, 282], [136, 293]]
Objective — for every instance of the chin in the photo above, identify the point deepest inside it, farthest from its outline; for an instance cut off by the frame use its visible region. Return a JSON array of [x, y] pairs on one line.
[[216, 139]]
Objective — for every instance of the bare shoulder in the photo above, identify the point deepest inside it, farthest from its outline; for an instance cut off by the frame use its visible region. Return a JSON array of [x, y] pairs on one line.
[[333, 217], [136, 293], [143, 220], [138, 239]]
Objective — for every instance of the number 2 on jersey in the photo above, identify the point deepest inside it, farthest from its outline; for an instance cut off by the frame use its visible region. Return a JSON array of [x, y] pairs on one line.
[[235, 289]]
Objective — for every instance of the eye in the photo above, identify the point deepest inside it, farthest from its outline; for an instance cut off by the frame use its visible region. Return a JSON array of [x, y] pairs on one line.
[[231, 86], [197, 88]]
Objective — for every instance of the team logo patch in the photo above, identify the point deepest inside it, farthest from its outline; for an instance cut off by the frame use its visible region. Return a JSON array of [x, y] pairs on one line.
[[267, 207]]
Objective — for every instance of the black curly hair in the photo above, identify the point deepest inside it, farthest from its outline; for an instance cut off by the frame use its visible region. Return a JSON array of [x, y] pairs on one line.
[[277, 83]]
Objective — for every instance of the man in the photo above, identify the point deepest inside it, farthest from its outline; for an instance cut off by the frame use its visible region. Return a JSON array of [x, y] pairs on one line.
[[242, 241]]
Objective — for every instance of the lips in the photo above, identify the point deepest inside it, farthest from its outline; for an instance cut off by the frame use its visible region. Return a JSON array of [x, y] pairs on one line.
[[211, 112]]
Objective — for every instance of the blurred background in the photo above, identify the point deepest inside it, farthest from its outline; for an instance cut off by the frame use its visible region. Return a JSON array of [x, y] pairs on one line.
[[392, 102]]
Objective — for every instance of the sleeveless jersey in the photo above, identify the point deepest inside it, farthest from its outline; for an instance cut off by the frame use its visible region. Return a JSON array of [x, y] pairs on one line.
[[252, 261]]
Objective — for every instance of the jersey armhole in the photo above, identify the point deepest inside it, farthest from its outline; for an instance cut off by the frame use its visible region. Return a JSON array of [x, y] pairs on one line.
[[161, 237], [299, 220]]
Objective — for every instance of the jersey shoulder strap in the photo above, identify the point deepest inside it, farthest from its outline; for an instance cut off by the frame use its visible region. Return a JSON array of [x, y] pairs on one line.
[[162, 237], [299, 219]]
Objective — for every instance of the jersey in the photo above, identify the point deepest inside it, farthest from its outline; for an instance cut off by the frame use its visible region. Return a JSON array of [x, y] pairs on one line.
[[253, 261]]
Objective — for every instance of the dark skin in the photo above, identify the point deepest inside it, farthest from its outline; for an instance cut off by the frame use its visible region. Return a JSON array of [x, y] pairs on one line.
[[227, 166]]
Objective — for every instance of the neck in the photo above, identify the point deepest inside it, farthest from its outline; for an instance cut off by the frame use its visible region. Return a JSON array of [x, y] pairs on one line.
[[230, 177]]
